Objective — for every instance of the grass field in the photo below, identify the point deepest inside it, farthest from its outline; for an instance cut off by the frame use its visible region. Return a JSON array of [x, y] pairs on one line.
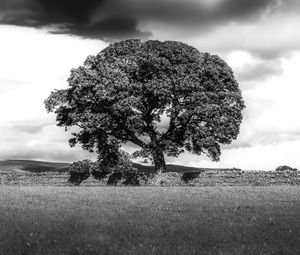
[[149, 220]]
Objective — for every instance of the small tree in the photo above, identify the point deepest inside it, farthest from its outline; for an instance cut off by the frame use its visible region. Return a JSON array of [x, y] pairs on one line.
[[124, 92], [80, 171]]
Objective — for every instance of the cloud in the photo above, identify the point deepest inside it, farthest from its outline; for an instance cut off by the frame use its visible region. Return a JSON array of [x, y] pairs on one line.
[[250, 68], [121, 18], [29, 72], [272, 106], [108, 29], [47, 12], [45, 152], [30, 127], [65, 16], [265, 28], [261, 71], [256, 157], [190, 12], [39, 140], [32, 69]]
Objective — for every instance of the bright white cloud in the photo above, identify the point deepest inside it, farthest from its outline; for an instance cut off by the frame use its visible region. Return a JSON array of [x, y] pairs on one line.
[[257, 157], [33, 63]]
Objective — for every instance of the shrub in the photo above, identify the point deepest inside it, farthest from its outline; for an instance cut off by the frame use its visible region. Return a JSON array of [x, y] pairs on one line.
[[135, 177], [80, 171], [286, 168], [130, 174], [189, 176], [117, 169], [99, 171], [114, 178]]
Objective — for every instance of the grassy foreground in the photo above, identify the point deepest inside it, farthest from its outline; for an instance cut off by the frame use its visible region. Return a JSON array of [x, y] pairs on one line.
[[150, 220]]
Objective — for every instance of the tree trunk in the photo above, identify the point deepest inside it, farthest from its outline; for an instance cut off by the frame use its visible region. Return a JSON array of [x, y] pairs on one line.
[[159, 161]]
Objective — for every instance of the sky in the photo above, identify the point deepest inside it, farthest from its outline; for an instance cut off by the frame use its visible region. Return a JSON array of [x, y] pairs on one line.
[[41, 40]]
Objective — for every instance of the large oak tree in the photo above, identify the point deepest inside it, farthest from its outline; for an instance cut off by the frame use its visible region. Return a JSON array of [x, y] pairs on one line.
[[123, 94]]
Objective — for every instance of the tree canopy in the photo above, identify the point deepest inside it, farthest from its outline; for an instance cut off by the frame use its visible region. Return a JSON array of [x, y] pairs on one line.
[[165, 97]]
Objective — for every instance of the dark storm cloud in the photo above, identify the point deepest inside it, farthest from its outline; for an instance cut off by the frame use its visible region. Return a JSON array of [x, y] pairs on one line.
[[67, 16], [200, 13], [47, 12], [120, 18], [112, 28]]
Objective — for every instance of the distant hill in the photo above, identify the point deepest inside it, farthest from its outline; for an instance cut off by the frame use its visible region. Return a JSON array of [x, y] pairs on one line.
[[32, 166]]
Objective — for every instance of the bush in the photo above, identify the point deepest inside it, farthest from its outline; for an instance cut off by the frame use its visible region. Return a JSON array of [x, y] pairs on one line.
[[80, 171], [125, 172], [114, 178], [286, 168], [128, 177], [116, 169], [99, 171], [135, 177], [189, 176], [120, 170]]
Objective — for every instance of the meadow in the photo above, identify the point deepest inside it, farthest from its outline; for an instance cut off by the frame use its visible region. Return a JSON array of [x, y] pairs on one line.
[[149, 220]]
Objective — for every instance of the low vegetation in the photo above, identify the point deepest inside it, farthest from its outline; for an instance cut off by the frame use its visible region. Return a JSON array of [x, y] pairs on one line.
[[205, 178], [119, 170], [150, 220], [123, 172], [286, 168], [40, 215]]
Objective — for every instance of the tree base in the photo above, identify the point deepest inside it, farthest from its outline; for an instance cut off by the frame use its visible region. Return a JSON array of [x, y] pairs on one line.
[[159, 179]]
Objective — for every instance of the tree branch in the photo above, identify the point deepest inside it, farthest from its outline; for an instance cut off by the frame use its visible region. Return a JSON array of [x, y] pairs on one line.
[[174, 115], [137, 141], [130, 136]]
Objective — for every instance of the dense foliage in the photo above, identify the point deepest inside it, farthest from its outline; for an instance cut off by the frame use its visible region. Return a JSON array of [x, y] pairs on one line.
[[165, 97], [121, 170], [117, 170], [80, 171]]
